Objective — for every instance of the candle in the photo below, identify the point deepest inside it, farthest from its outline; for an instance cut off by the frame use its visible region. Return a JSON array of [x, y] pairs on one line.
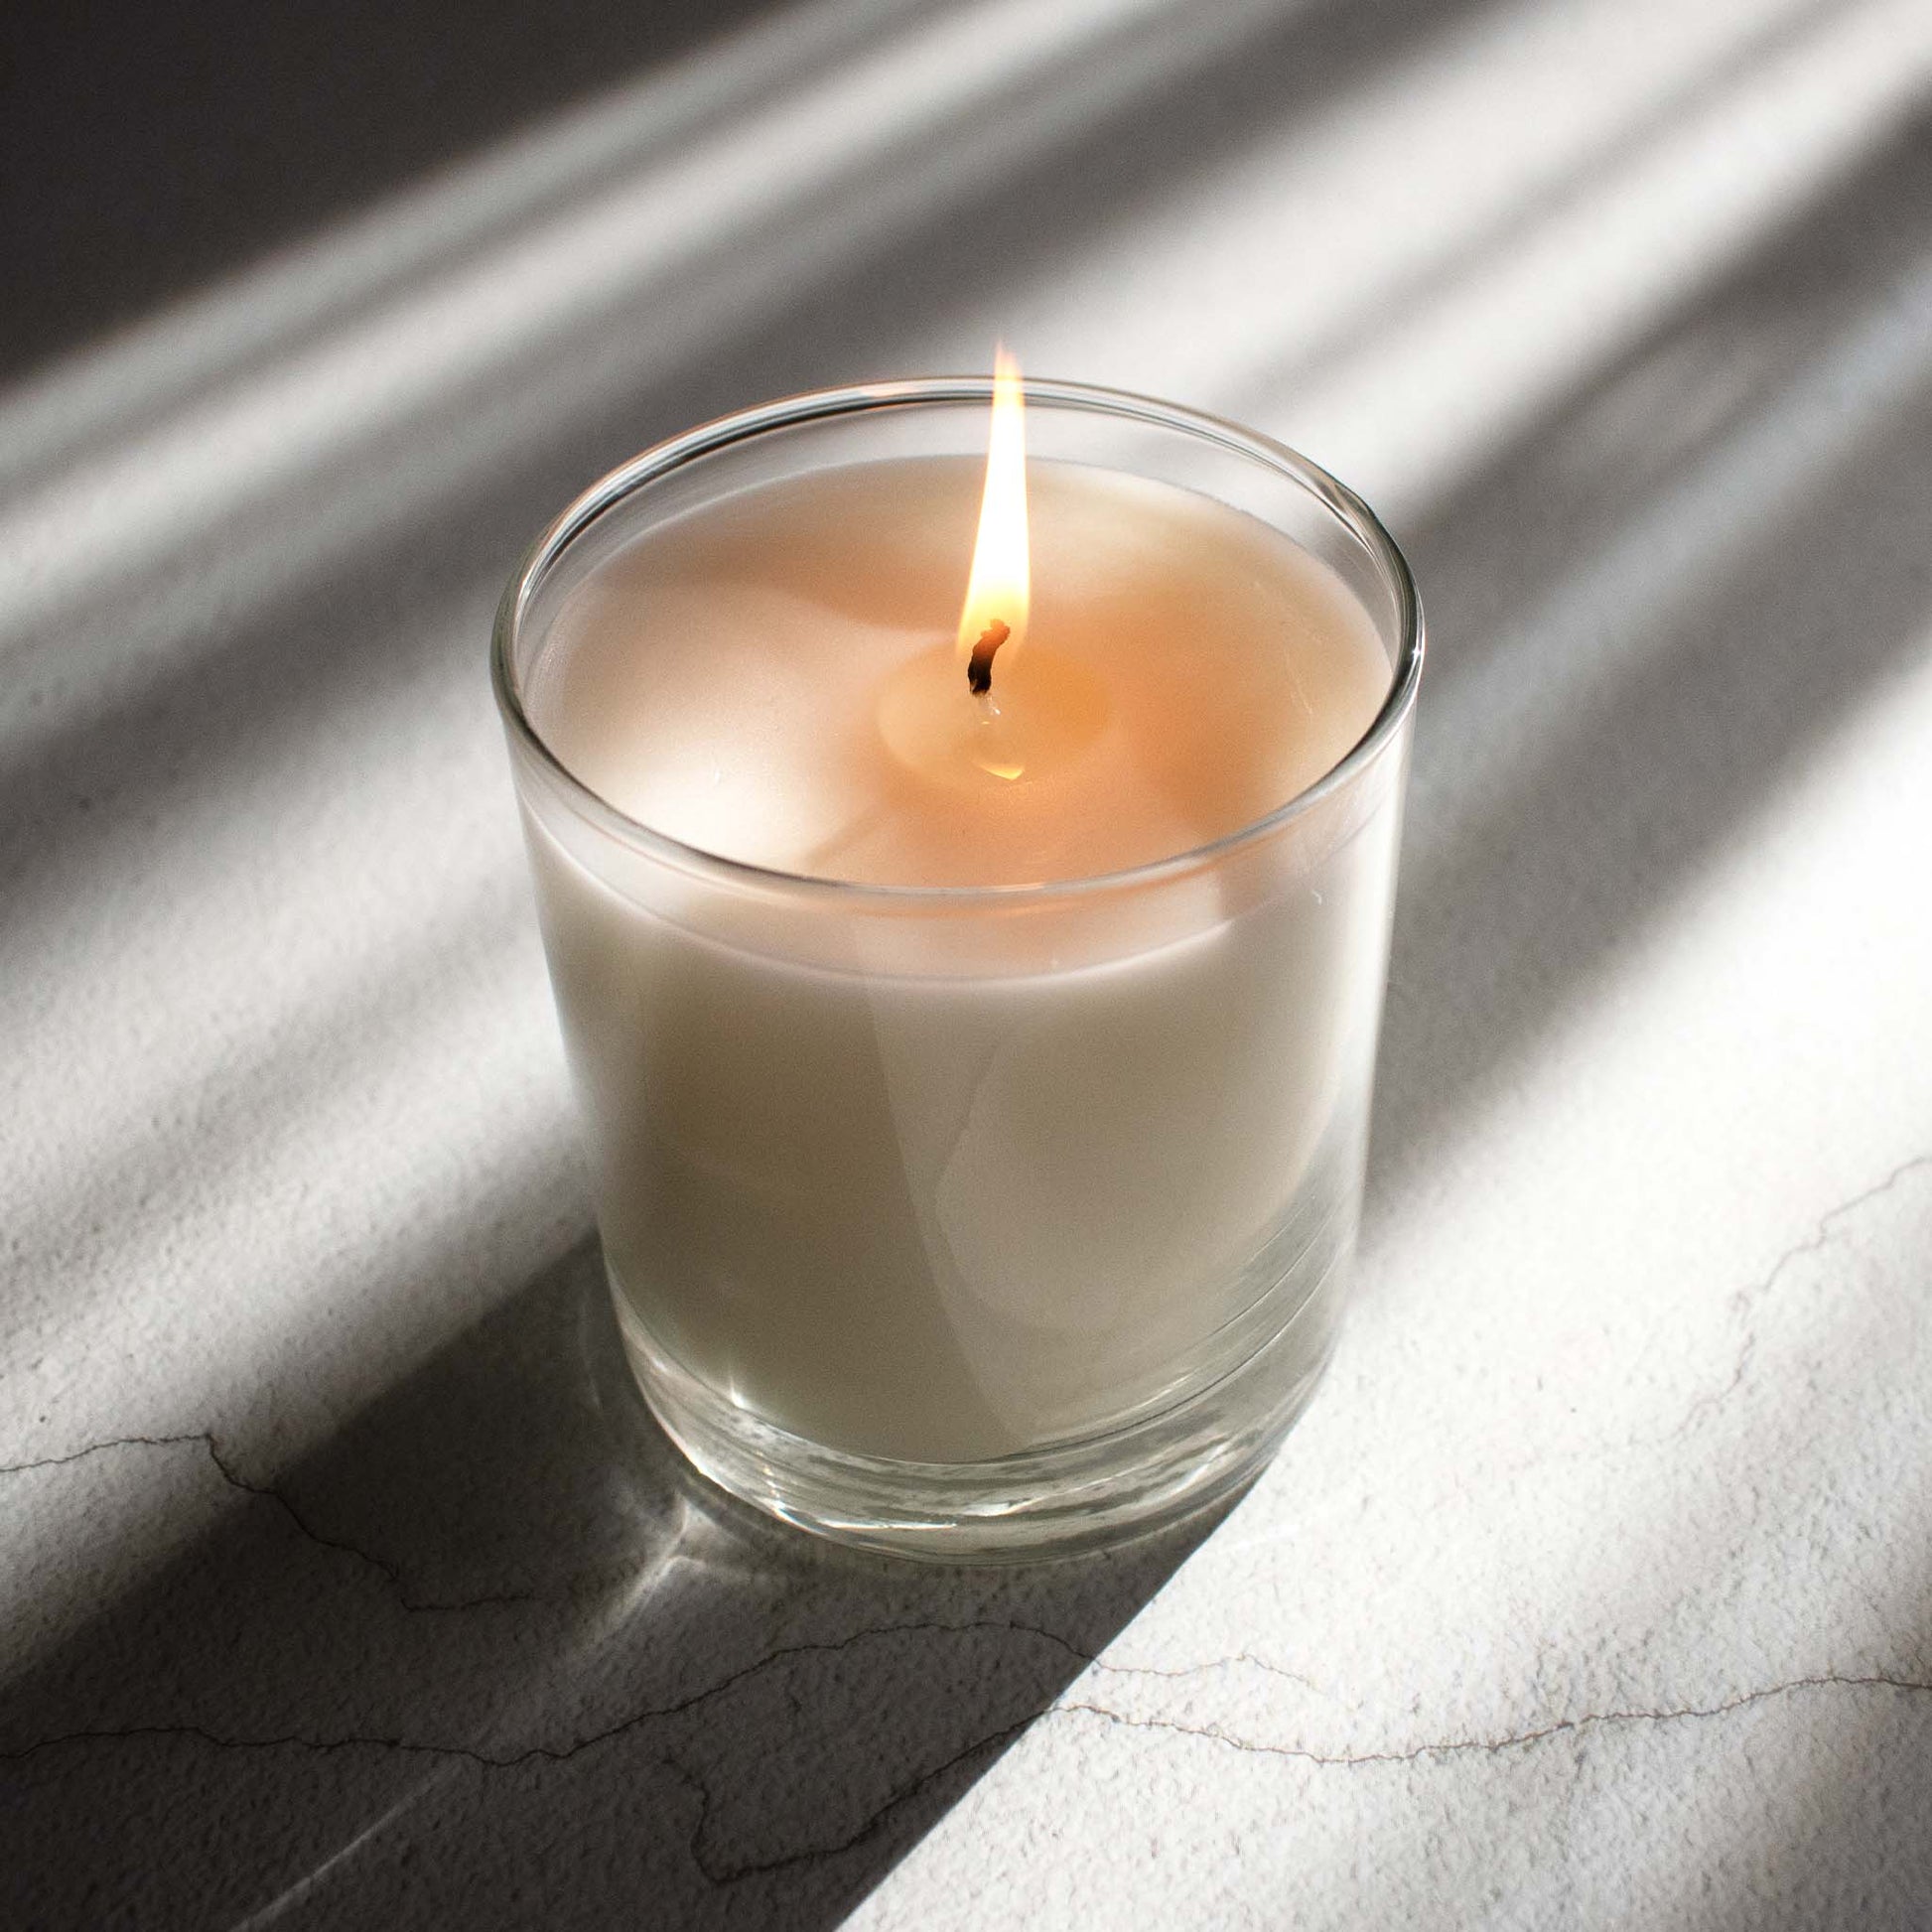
[[972, 1004]]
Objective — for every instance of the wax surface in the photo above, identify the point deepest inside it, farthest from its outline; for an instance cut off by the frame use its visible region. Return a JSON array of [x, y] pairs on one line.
[[724, 679]]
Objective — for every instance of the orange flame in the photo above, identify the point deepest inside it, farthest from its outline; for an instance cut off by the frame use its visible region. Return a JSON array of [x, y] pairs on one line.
[[998, 589]]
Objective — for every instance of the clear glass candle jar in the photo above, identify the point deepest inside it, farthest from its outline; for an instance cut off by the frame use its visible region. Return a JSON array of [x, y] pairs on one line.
[[984, 1220]]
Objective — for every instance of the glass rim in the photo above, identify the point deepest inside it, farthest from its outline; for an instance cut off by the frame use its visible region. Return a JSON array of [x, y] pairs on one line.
[[821, 405]]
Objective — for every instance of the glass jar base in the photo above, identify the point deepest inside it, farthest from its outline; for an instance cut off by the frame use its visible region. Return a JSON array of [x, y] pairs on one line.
[[1034, 1504]]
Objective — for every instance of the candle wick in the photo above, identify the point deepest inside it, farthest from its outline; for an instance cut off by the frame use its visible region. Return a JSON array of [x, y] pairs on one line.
[[979, 667]]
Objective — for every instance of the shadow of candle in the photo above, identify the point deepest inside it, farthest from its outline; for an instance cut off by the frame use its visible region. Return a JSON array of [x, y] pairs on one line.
[[493, 1647]]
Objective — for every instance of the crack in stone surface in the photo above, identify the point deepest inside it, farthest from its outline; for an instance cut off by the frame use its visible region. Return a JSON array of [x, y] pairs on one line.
[[1460, 1746], [204, 1441], [715, 1870], [722, 1874], [1744, 1300], [553, 1754], [1214, 1663], [101, 1449], [558, 1755]]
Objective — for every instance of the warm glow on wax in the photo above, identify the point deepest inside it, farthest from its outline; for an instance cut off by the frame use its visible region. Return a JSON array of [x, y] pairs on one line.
[[994, 612]]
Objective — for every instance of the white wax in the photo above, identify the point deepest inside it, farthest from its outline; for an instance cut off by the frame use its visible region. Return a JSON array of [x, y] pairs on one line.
[[722, 679], [947, 1183]]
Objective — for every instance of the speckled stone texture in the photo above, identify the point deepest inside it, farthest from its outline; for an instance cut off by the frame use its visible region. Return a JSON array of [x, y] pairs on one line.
[[343, 1582]]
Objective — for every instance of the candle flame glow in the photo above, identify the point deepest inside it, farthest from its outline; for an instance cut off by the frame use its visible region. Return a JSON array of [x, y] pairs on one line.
[[998, 589]]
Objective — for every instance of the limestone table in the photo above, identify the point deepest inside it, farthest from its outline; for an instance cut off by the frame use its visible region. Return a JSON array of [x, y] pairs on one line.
[[344, 1582]]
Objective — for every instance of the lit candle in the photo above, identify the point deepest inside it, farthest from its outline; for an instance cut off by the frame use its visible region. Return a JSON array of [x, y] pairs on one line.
[[973, 1011]]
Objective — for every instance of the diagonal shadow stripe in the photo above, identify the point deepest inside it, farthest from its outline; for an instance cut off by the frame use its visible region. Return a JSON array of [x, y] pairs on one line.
[[752, 1727], [1683, 617]]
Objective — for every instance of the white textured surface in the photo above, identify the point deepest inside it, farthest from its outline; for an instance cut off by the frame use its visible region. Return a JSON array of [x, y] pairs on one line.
[[341, 1583]]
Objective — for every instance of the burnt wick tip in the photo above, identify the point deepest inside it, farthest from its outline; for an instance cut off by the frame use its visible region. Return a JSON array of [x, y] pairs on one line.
[[979, 667]]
